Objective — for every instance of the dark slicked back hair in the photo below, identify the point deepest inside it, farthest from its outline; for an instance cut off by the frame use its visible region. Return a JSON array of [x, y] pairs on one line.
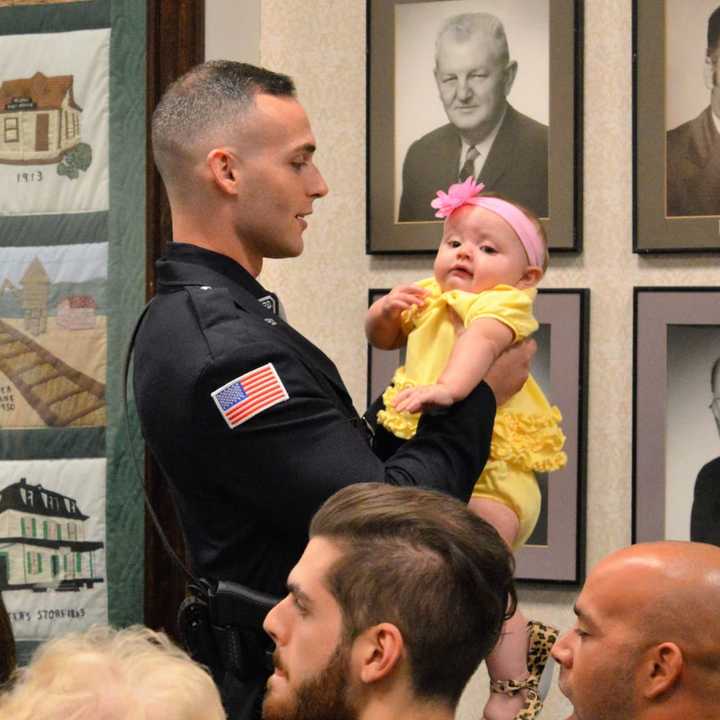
[[209, 97], [713, 33], [422, 561]]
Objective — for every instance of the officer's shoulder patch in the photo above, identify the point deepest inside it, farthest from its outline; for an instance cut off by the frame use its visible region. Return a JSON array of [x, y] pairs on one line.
[[247, 395]]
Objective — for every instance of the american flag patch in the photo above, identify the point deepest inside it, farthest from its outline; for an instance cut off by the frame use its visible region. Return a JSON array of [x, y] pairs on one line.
[[250, 394]]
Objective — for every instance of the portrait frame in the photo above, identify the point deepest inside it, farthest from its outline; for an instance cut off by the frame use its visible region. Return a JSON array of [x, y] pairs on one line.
[[654, 231], [560, 557], [656, 310], [385, 235]]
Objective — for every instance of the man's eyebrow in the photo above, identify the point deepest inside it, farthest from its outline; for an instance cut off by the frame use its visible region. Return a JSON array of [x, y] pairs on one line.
[[294, 589], [582, 615], [308, 148]]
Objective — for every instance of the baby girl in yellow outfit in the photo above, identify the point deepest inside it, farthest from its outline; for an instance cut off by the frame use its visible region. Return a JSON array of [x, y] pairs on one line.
[[455, 325]]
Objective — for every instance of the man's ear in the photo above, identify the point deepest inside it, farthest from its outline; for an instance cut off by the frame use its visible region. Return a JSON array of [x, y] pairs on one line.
[[530, 278], [378, 652], [223, 165], [661, 668], [510, 73], [709, 73]]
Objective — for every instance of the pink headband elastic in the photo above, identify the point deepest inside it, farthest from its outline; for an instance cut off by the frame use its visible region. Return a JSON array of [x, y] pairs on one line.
[[467, 193]]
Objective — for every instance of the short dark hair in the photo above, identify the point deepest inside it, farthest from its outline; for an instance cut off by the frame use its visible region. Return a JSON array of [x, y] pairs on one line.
[[422, 561], [211, 95], [713, 31]]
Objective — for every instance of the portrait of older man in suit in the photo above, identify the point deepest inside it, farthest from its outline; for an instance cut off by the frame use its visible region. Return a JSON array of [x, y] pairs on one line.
[[486, 137], [693, 148]]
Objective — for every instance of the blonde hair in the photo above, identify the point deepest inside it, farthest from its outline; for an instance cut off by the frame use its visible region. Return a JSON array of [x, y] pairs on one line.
[[108, 674]]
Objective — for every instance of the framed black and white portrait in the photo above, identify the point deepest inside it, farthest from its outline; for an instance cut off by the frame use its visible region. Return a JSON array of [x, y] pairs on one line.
[[555, 552], [676, 125], [462, 87], [676, 418]]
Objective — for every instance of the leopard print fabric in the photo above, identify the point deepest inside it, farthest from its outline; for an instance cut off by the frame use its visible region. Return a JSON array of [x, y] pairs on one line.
[[541, 639]]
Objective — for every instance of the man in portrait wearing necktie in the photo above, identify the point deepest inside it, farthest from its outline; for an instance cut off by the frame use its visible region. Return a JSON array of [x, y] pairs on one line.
[[486, 137]]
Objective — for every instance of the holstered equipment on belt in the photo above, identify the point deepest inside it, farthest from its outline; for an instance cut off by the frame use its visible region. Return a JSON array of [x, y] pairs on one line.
[[221, 626]]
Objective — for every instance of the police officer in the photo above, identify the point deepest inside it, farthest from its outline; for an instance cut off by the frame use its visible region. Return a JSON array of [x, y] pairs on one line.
[[249, 421]]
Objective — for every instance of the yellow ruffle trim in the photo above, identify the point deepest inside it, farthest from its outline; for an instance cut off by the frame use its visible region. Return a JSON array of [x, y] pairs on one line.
[[528, 441], [401, 424]]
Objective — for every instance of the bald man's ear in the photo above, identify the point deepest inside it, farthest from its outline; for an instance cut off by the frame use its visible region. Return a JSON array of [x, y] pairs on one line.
[[664, 664], [378, 652], [224, 168], [510, 73]]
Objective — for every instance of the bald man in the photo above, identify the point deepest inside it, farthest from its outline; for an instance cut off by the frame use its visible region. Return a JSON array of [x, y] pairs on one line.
[[646, 645]]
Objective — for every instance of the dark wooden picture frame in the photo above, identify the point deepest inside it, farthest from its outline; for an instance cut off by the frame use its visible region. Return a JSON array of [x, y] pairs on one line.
[[676, 341], [670, 212], [563, 47], [556, 551]]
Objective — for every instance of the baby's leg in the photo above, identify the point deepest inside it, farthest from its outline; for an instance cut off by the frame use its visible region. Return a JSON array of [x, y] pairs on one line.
[[499, 515], [508, 661]]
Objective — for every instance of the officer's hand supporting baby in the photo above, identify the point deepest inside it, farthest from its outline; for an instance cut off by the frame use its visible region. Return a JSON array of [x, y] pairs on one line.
[[510, 371]]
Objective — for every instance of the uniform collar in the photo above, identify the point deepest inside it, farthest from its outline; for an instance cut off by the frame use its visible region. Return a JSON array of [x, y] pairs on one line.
[[185, 264]]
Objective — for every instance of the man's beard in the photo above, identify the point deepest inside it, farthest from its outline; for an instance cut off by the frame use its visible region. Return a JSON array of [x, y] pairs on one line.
[[326, 696]]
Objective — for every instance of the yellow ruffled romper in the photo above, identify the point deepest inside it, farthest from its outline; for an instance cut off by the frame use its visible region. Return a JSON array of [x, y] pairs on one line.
[[526, 436]]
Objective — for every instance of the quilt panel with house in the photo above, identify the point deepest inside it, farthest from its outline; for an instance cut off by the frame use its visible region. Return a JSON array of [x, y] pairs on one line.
[[52, 540]]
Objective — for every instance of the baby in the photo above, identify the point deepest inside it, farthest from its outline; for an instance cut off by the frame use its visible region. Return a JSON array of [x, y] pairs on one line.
[[455, 325]]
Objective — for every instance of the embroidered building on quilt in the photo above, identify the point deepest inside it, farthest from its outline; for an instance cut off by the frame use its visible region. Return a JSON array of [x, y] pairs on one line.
[[76, 312], [42, 541], [39, 119], [33, 296]]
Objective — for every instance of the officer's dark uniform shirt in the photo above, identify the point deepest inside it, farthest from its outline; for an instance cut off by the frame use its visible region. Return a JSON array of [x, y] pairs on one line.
[[245, 495]]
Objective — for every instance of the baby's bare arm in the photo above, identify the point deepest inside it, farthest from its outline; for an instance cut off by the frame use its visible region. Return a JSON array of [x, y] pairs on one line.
[[474, 353], [475, 350], [382, 323]]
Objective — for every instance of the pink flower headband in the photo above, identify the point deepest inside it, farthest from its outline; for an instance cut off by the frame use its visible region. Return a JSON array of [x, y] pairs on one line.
[[468, 193]]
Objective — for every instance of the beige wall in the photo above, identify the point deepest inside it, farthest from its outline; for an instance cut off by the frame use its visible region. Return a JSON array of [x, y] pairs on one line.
[[321, 43], [232, 30]]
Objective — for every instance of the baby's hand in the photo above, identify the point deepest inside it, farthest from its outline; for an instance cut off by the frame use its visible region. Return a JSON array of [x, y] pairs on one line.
[[401, 298], [423, 398]]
